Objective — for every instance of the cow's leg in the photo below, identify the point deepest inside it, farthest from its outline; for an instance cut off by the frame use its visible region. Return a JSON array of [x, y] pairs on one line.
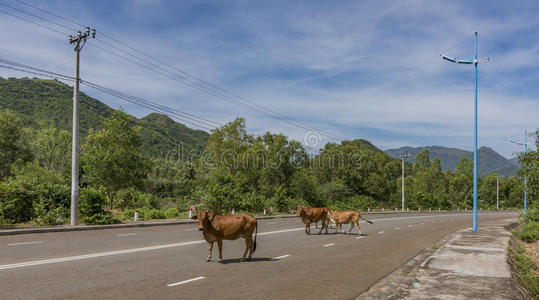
[[210, 247], [336, 226], [316, 225], [358, 228], [220, 245], [351, 227], [247, 246]]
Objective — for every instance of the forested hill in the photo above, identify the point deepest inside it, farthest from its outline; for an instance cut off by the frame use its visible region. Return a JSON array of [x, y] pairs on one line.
[[38, 100], [489, 160]]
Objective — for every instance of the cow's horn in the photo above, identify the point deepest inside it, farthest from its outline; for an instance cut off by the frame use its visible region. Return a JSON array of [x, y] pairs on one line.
[[208, 210]]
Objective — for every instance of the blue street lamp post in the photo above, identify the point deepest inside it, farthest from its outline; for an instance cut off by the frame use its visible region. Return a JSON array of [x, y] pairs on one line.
[[475, 61], [525, 144]]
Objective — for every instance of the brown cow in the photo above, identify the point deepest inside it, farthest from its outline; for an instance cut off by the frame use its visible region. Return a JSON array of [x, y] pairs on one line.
[[313, 214], [345, 217], [218, 228]]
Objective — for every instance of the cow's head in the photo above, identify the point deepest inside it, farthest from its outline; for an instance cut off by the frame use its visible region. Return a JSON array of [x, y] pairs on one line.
[[204, 218]]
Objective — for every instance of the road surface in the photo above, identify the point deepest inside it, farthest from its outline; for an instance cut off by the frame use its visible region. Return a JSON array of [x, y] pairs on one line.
[[168, 262]]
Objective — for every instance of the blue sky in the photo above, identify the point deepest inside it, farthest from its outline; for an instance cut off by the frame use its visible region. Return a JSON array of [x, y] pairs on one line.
[[356, 69]]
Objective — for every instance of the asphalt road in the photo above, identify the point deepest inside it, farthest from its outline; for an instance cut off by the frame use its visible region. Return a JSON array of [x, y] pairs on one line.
[[168, 262]]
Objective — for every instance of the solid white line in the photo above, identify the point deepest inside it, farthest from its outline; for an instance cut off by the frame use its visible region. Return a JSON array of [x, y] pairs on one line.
[[189, 229], [126, 234], [281, 231], [186, 281], [25, 243], [271, 223], [279, 257], [329, 245], [359, 237], [380, 232]]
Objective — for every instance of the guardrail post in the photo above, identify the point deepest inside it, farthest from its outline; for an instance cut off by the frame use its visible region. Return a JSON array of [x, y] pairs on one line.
[[136, 214]]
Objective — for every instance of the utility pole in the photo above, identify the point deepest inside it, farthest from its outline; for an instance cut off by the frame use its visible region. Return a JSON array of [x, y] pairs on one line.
[[525, 144], [497, 192], [403, 156], [474, 62], [79, 40]]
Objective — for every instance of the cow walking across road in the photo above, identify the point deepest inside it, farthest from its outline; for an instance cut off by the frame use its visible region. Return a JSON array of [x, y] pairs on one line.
[[216, 228], [313, 215], [345, 217]]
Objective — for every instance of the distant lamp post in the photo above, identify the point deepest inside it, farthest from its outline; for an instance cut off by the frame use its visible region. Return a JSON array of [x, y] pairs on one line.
[[403, 156], [525, 144], [475, 62]]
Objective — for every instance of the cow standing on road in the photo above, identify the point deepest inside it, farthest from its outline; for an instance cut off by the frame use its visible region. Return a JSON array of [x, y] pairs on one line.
[[345, 217], [216, 228], [314, 214]]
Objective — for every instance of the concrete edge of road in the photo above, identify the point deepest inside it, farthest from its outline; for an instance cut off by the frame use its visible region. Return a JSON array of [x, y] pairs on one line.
[[405, 278], [14, 230], [64, 228], [391, 282]]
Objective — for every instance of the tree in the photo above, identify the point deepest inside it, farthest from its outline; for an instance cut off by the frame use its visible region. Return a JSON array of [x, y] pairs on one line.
[[12, 144], [530, 167], [52, 147], [111, 156]]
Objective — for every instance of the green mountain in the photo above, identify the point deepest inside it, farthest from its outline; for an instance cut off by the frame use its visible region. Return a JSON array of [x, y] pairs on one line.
[[490, 161], [49, 100]]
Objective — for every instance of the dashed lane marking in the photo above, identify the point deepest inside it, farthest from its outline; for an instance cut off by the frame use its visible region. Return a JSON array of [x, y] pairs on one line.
[[329, 245], [126, 234], [25, 243], [185, 281], [279, 257]]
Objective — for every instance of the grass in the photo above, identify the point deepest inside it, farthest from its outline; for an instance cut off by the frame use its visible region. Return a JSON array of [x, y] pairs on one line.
[[526, 269]]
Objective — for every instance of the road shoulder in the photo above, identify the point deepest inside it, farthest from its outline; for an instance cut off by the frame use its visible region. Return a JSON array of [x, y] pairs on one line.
[[462, 265]]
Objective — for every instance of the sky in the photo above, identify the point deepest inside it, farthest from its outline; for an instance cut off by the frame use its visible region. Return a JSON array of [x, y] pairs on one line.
[[348, 69]]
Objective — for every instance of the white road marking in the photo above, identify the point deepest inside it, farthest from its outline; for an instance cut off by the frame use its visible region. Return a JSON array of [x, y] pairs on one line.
[[281, 231], [380, 232], [422, 223], [126, 234], [410, 225], [329, 245], [25, 243], [186, 281], [396, 228], [359, 237], [271, 223], [189, 229], [279, 257]]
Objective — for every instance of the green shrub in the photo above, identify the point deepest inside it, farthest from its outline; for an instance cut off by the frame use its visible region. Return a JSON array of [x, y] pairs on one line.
[[252, 202], [16, 202], [529, 232], [92, 206], [171, 213], [361, 202], [532, 215], [151, 213], [128, 214], [54, 200], [132, 198]]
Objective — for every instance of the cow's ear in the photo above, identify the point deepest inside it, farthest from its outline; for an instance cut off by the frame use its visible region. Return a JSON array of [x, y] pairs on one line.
[[194, 217]]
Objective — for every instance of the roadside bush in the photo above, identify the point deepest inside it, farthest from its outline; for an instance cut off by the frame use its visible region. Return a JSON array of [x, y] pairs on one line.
[[92, 206], [54, 200], [132, 198], [529, 232], [361, 202], [151, 213], [532, 215], [220, 198], [16, 199], [171, 213], [252, 202]]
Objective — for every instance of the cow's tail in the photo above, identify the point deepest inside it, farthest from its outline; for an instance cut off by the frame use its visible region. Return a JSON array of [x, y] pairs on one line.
[[364, 218], [256, 232]]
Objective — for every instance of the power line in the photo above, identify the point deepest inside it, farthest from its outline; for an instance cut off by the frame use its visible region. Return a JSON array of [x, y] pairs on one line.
[[183, 116], [192, 80]]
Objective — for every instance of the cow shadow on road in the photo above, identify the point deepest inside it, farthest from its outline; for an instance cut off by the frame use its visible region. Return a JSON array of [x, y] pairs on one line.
[[254, 259]]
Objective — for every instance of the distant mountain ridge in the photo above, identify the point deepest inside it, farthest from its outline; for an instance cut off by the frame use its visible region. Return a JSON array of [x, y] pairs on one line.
[[38, 100], [490, 161]]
